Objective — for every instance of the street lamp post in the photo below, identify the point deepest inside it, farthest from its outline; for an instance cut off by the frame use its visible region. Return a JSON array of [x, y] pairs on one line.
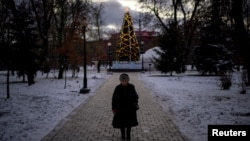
[[84, 25], [173, 61], [142, 52], [109, 45], [149, 68]]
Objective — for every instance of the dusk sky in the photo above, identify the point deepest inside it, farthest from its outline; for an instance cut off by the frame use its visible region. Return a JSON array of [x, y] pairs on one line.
[[114, 11]]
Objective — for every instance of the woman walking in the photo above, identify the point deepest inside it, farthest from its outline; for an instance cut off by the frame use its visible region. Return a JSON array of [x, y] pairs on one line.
[[124, 106]]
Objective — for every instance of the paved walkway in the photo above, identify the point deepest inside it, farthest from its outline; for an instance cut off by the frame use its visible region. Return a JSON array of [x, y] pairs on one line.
[[91, 121]]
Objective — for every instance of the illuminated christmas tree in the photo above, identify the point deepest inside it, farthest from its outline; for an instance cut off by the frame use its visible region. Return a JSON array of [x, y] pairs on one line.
[[128, 49]]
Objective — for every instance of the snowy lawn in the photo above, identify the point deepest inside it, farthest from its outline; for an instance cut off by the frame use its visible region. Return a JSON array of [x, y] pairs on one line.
[[195, 102], [33, 111]]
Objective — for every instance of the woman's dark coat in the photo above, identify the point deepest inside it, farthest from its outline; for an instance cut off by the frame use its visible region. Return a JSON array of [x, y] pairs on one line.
[[124, 101]]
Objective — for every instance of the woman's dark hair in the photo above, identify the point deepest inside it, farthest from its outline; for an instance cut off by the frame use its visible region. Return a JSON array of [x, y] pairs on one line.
[[124, 77]]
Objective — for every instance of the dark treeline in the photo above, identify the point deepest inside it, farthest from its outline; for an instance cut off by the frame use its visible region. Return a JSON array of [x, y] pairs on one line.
[[43, 34], [213, 35]]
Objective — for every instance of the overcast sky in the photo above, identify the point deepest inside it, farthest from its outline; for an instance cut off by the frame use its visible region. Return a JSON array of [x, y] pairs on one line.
[[115, 9]]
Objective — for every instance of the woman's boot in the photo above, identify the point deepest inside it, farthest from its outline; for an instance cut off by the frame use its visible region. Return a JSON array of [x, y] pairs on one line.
[[128, 133], [123, 133]]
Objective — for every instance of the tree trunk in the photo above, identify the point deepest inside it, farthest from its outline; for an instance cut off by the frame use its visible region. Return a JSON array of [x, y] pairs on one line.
[[8, 82], [241, 36]]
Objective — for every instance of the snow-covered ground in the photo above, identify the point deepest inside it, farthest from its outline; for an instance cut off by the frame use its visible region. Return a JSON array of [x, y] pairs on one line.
[[197, 101], [193, 101], [33, 111]]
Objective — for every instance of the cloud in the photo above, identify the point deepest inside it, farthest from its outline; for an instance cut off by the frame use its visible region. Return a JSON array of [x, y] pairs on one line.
[[114, 12]]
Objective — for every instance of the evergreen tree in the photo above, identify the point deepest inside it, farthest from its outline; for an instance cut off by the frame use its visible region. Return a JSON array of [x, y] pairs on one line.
[[24, 43], [214, 51], [128, 49], [172, 52]]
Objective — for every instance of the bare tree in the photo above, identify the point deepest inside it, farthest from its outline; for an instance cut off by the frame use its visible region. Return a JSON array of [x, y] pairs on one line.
[[43, 10], [96, 11], [173, 18], [65, 13]]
